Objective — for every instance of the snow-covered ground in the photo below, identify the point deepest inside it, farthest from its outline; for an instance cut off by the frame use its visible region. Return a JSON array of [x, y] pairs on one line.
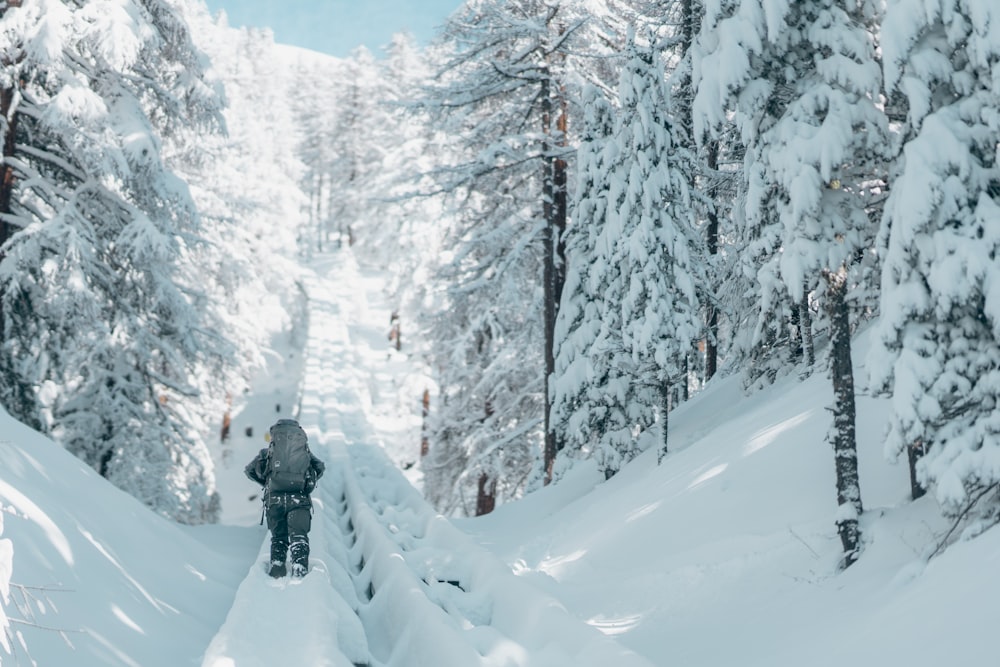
[[725, 554]]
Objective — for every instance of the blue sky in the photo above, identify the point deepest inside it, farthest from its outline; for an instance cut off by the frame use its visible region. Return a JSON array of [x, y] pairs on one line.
[[338, 26]]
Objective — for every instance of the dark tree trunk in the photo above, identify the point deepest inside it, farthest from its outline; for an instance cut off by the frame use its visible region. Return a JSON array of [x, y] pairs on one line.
[[548, 278], [554, 211], [805, 328], [9, 125], [425, 445], [665, 422], [684, 389], [21, 403], [913, 453], [486, 499], [843, 434], [712, 232], [559, 209]]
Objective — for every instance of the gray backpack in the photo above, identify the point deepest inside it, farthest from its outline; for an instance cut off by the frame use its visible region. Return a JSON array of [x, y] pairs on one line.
[[289, 459]]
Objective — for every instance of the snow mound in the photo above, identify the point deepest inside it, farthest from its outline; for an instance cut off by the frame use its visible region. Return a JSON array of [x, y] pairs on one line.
[[98, 579]]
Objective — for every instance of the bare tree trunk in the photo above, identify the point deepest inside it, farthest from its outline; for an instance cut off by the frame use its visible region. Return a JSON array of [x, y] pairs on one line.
[[914, 452], [805, 326], [843, 433], [665, 421], [712, 233], [559, 199], [8, 124], [425, 446], [486, 499], [554, 207], [685, 390], [549, 275]]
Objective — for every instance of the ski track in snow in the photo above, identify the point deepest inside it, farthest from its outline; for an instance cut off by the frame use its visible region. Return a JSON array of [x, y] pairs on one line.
[[391, 582]]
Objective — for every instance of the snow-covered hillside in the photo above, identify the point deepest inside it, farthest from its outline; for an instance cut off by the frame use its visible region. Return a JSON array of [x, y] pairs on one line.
[[725, 554], [98, 578]]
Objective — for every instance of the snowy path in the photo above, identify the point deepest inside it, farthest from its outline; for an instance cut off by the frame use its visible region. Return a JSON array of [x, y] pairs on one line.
[[391, 582]]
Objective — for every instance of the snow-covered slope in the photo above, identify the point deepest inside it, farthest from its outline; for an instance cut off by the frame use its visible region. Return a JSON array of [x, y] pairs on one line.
[[99, 579], [727, 553]]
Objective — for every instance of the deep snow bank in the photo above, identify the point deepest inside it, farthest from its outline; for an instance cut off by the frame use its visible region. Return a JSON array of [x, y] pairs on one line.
[[109, 582]]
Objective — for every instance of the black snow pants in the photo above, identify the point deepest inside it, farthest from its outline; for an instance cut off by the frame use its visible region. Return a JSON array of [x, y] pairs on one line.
[[289, 517]]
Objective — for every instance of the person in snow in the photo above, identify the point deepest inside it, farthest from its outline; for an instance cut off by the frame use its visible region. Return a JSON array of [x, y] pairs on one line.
[[288, 471]]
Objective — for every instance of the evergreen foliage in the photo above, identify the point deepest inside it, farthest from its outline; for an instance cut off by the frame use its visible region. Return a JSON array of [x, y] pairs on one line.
[[95, 312], [938, 347], [803, 88]]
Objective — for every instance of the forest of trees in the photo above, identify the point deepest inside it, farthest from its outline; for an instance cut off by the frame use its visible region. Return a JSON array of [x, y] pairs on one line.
[[586, 212]]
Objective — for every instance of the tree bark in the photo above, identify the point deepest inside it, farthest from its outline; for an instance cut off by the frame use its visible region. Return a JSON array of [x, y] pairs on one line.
[[425, 445], [486, 499], [554, 209], [712, 234], [805, 325], [9, 125], [549, 276], [665, 422], [914, 452], [843, 433], [560, 197]]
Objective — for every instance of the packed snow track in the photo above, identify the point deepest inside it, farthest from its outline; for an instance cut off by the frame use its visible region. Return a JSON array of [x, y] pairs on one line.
[[391, 582]]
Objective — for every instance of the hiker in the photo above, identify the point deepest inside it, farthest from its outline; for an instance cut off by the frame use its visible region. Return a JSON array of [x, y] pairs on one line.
[[288, 471]]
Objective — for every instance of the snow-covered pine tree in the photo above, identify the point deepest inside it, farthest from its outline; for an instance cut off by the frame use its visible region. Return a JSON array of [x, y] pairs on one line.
[[578, 403], [652, 260], [488, 409], [937, 351], [712, 185], [94, 312], [803, 81], [498, 97], [31, 43]]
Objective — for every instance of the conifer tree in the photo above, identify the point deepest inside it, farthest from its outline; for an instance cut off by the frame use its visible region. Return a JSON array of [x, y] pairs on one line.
[[803, 82], [581, 370], [652, 259], [938, 344], [498, 98], [97, 321]]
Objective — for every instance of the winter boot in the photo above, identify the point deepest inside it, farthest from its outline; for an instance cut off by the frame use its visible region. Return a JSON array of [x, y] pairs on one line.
[[277, 568], [300, 559]]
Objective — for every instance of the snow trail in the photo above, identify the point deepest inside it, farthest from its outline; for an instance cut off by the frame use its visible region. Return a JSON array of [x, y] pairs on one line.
[[391, 582]]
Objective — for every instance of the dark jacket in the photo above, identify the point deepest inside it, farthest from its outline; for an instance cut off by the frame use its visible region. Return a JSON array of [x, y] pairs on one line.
[[257, 470]]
